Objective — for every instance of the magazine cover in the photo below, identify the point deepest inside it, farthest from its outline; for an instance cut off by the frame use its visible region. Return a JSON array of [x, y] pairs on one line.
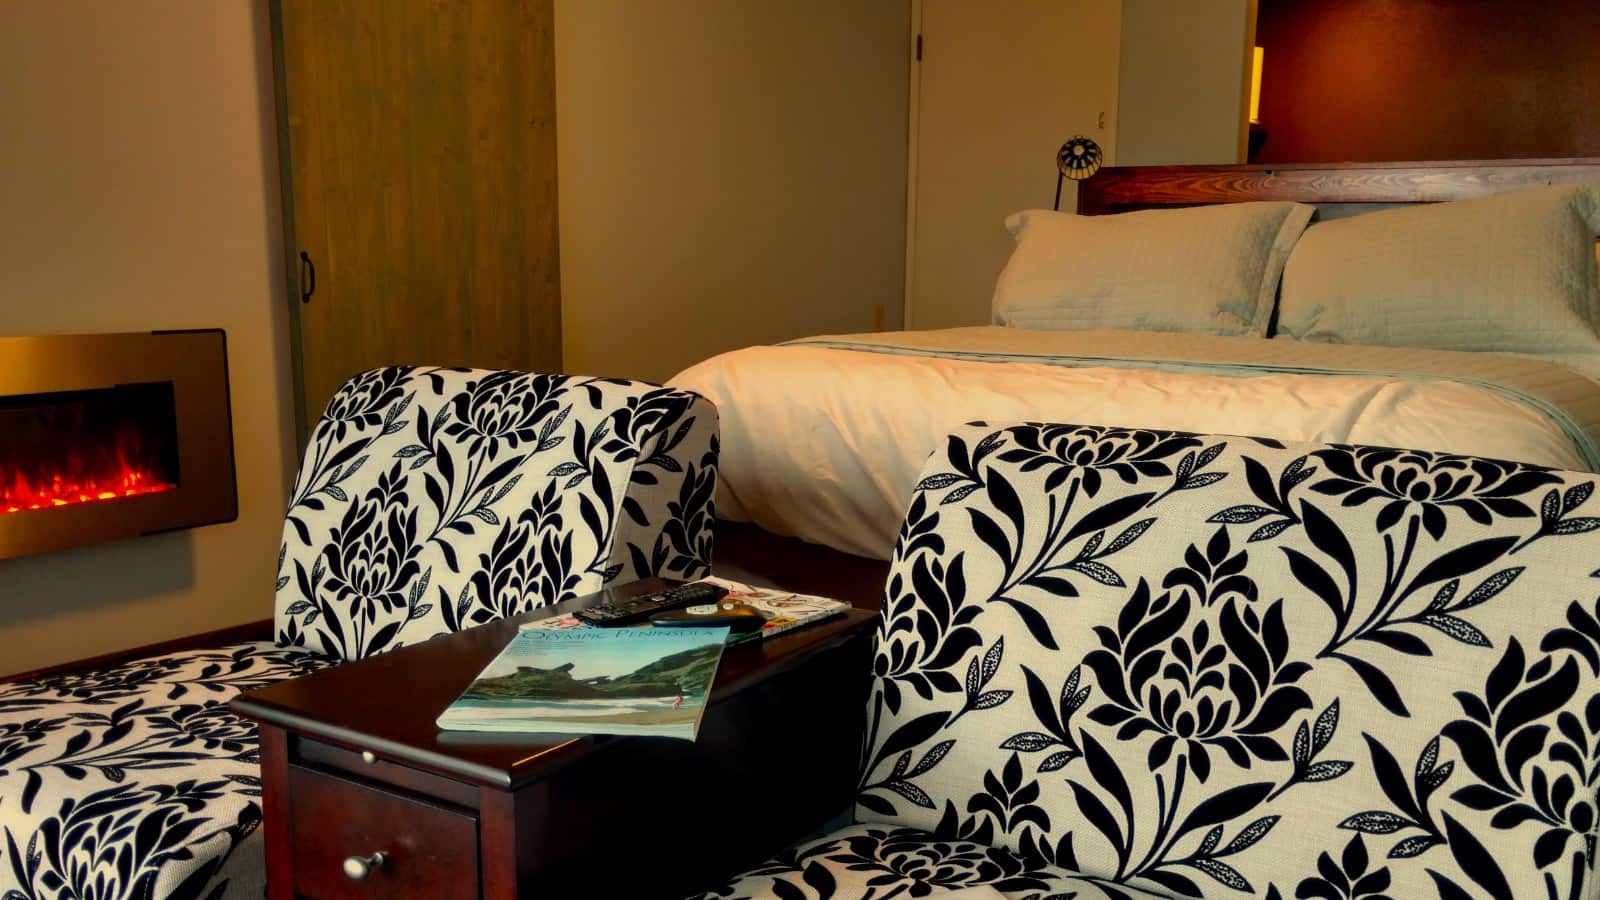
[[637, 681], [784, 610]]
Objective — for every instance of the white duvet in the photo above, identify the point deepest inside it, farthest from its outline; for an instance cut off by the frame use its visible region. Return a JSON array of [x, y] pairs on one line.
[[825, 444]]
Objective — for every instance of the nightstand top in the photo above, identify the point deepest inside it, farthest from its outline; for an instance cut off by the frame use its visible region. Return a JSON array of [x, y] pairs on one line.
[[387, 705]]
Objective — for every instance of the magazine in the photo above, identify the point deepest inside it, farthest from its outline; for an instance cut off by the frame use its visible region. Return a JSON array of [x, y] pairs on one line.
[[635, 681], [784, 610]]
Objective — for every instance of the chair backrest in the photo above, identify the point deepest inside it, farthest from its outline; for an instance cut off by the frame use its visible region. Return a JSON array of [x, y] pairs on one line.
[[431, 500], [1218, 666]]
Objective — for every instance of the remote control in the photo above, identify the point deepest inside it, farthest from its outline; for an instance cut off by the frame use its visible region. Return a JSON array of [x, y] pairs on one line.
[[633, 609], [739, 618]]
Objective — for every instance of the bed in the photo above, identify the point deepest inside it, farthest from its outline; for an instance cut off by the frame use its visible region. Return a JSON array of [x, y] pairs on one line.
[[822, 437]]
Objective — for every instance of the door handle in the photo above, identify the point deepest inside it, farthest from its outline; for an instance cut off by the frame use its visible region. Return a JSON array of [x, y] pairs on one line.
[[308, 277]]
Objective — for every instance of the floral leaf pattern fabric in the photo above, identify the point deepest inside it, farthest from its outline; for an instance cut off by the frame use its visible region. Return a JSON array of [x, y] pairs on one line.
[[432, 500], [877, 862], [1144, 663], [135, 781]]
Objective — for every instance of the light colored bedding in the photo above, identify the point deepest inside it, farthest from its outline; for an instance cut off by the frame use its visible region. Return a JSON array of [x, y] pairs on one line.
[[1441, 274], [823, 438], [1198, 270]]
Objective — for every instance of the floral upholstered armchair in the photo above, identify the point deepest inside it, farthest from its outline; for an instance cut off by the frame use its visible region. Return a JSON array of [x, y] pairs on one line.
[[429, 500], [1130, 664]]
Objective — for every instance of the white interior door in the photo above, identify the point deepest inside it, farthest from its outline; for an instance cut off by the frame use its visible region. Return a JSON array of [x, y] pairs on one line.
[[999, 87]]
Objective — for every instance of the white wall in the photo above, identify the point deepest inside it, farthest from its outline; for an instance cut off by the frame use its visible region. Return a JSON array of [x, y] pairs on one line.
[[731, 172], [1183, 81], [139, 186]]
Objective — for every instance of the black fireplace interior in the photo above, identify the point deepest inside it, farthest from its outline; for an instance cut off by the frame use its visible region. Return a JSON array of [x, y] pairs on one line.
[[89, 446]]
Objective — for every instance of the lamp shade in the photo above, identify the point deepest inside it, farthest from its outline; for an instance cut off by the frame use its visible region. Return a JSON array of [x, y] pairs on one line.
[[1078, 158]]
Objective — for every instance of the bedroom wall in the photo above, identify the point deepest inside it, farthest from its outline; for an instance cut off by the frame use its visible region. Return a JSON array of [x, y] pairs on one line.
[[730, 173], [1364, 80], [1183, 81], [138, 171]]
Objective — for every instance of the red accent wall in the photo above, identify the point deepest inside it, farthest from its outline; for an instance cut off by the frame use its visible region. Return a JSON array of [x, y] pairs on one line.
[[1371, 80]]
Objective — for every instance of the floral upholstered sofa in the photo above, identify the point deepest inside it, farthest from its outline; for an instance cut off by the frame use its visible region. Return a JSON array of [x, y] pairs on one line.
[[429, 500], [1131, 664]]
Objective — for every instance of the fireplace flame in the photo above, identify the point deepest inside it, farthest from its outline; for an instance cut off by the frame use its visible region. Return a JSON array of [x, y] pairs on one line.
[[65, 488]]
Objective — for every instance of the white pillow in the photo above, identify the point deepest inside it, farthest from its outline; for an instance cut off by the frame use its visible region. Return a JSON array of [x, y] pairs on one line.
[[1513, 273], [1201, 270]]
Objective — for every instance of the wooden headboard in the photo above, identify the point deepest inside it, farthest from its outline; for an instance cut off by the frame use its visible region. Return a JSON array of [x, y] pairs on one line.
[[1336, 189]]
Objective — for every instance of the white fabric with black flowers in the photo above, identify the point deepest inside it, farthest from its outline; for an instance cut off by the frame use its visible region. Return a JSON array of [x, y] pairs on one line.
[[135, 781], [429, 500], [1120, 663], [432, 500]]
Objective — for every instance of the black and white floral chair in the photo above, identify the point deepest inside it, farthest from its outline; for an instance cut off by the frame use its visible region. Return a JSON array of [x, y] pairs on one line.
[[1129, 664], [429, 500]]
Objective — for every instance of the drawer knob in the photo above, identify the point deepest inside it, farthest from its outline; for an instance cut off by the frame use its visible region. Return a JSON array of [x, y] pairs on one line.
[[358, 867]]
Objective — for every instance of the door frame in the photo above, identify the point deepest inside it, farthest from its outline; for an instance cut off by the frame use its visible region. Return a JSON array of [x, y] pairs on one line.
[[907, 301], [291, 243]]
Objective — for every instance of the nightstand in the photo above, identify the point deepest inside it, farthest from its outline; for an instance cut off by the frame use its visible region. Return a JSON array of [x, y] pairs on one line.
[[364, 797]]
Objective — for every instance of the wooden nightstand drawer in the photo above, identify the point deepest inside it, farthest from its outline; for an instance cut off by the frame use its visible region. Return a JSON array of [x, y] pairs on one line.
[[338, 825], [366, 768]]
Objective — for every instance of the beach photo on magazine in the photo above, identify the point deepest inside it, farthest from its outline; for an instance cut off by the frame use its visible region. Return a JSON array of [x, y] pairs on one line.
[[645, 678]]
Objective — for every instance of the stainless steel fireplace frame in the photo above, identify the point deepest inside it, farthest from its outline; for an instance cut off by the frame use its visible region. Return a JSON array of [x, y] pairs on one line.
[[196, 364]]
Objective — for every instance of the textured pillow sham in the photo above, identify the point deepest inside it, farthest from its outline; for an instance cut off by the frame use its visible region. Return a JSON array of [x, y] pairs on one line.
[[1202, 270], [1513, 273]]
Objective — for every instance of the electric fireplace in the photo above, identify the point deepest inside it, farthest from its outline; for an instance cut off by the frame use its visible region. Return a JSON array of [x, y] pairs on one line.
[[111, 436]]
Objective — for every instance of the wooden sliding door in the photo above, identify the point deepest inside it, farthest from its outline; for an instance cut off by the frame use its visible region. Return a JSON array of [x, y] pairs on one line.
[[420, 185]]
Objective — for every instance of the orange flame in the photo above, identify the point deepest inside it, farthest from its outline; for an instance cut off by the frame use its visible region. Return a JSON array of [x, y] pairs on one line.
[[71, 485]]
